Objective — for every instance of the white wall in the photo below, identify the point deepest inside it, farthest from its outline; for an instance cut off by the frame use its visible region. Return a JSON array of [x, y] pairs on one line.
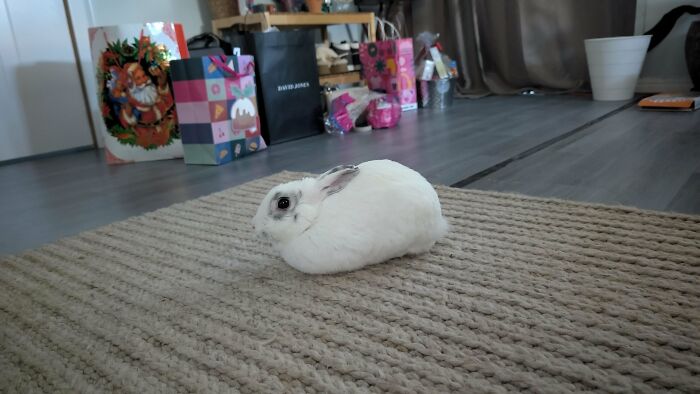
[[664, 68], [193, 14], [41, 102]]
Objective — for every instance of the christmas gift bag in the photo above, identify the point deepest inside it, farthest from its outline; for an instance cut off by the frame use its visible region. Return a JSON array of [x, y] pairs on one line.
[[388, 65], [217, 108], [134, 89]]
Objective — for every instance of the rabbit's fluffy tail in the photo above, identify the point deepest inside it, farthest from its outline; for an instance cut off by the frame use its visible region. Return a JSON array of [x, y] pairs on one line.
[[442, 229]]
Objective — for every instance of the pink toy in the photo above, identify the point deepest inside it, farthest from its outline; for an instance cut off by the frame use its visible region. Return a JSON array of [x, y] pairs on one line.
[[384, 112], [339, 116]]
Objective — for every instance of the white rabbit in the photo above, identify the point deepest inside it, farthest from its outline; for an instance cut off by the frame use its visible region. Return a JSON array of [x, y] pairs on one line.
[[351, 216]]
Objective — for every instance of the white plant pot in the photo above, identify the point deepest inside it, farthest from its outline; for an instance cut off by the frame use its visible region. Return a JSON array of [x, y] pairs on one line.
[[614, 65]]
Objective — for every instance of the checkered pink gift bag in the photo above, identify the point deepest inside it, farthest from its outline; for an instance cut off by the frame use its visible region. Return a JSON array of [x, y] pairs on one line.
[[217, 108]]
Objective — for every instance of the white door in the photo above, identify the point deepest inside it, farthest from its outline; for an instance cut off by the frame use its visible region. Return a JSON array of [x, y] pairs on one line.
[[42, 108]]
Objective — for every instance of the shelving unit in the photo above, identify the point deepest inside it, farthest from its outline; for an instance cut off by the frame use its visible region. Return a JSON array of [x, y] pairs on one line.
[[342, 78], [264, 20]]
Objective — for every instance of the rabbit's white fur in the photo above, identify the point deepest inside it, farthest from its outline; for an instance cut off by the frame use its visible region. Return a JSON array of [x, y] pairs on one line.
[[352, 216]]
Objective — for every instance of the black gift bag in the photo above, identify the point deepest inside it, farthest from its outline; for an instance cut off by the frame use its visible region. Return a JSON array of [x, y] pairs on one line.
[[287, 83], [236, 36]]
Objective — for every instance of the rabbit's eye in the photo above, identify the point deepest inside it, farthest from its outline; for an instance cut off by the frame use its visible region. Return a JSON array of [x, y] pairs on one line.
[[283, 203]]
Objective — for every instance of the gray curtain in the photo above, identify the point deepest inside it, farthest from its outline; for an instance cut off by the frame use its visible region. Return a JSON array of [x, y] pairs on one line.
[[504, 46]]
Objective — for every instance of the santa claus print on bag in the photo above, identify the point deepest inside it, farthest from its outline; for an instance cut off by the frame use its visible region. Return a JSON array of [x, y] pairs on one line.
[[139, 102], [135, 93]]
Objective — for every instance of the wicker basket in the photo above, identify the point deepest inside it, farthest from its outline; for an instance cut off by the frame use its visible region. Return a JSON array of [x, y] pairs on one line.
[[223, 8]]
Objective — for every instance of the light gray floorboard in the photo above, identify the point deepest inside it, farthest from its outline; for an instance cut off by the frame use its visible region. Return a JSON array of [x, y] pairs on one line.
[[648, 160], [43, 200]]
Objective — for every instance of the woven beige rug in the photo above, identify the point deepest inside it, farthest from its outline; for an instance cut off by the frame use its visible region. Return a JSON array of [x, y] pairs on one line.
[[524, 294]]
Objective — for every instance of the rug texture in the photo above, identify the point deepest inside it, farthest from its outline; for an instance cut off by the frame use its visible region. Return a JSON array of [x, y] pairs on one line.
[[524, 294]]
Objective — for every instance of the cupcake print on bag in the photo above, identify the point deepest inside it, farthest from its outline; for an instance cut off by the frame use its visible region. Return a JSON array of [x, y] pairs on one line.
[[244, 114]]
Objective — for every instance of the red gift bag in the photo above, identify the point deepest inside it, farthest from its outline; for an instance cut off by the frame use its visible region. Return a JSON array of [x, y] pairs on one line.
[[387, 65]]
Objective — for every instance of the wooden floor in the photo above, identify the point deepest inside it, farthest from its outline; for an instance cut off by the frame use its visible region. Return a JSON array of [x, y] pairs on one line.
[[568, 147], [648, 160]]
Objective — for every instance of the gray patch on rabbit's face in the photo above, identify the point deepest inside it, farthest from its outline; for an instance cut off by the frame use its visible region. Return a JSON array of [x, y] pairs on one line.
[[278, 214]]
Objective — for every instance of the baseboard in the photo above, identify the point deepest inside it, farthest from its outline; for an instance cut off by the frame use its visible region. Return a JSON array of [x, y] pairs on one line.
[[48, 154], [656, 85]]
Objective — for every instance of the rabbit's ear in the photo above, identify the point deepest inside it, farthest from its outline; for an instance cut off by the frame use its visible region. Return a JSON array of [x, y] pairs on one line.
[[336, 179]]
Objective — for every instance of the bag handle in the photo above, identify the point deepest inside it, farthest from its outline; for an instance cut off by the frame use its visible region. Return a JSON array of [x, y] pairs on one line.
[[221, 64], [395, 35], [207, 38], [380, 25]]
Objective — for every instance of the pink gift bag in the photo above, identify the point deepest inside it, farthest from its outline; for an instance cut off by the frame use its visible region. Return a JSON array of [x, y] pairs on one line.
[[388, 66]]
